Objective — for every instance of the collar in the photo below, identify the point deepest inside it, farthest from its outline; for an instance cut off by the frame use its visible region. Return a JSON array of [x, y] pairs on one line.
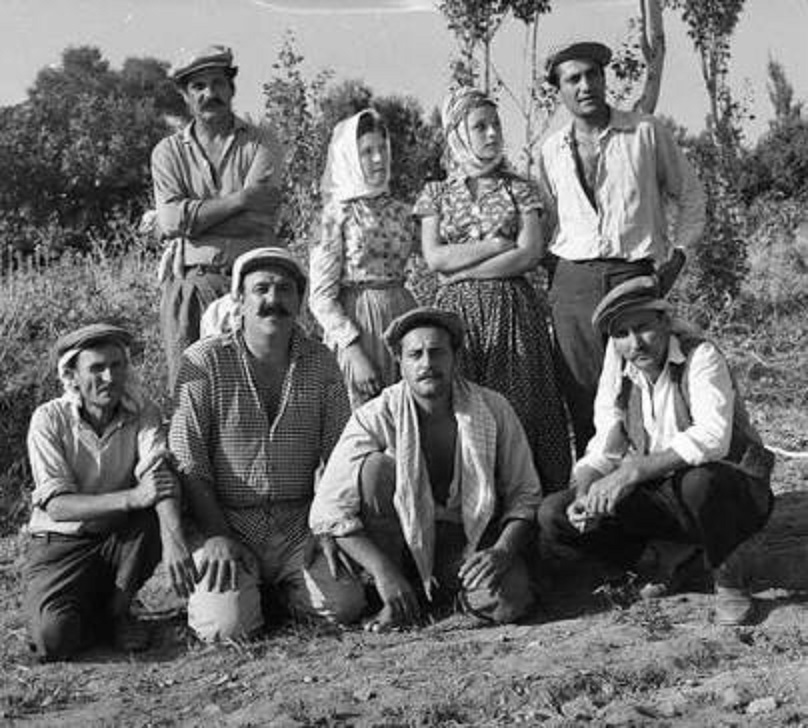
[[239, 126], [299, 342], [619, 120]]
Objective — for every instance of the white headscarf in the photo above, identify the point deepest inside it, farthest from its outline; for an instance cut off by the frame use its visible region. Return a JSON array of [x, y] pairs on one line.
[[454, 117], [343, 178]]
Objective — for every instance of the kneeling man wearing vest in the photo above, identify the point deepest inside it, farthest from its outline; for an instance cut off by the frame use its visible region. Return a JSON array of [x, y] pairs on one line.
[[674, 456]]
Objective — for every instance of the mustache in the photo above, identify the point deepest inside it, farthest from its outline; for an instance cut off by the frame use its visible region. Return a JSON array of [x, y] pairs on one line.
[[429, 375], [212, 103], [276, 310]]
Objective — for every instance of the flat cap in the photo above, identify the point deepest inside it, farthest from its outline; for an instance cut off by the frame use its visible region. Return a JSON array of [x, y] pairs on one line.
[[636, 294], [213, 56], [425, 316], [263, 258], [91, 335], [579, 50]]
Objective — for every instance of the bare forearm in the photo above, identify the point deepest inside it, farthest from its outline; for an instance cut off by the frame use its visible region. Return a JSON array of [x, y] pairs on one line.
[[211, 213], [514, 536], [168, 514], [450, 258], [366, 553], [505, 265], [80, 507]]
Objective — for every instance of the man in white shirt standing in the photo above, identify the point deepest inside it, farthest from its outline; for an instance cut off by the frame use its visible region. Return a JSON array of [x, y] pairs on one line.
[[674, 455], [609, 178]]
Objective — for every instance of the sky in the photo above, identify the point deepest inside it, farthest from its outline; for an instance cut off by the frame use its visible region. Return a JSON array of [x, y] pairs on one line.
[[395, 46]]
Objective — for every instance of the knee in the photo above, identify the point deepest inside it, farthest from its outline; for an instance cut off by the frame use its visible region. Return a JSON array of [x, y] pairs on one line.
[[512, 601], [336, 600], [232, 614], [56, 632], [377, 484]]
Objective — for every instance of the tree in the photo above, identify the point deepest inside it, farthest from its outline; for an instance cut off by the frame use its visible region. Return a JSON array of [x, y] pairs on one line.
[[76, 152], [721, 260], [781, 94]]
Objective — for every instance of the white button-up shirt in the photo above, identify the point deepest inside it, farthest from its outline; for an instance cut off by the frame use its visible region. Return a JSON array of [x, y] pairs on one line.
[[712, 402], [641, 176]]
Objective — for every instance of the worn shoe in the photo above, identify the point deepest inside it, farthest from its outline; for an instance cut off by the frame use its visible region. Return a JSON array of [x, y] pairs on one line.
[[672, 565], [733, 607]]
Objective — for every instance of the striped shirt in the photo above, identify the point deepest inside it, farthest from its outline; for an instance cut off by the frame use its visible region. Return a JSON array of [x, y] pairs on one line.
[[262, 472]]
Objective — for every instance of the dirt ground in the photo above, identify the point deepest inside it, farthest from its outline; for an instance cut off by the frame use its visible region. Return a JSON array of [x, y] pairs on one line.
[[585, 659]]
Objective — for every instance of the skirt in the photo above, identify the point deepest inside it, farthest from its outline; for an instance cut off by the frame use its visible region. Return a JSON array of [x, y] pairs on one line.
[[508, 348], [372, 309]]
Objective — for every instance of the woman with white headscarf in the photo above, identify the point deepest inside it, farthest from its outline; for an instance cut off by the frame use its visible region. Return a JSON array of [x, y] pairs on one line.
[[358, 264], [480, 231]]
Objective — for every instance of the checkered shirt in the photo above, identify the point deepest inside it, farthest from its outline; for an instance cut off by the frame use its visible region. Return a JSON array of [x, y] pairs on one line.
[[262, 472]]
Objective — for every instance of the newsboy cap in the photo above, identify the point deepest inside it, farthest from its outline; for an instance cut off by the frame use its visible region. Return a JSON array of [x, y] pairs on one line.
[[579, 50], [636, 294], [213, 56], [265, 257], [89, 336], [424, 316]]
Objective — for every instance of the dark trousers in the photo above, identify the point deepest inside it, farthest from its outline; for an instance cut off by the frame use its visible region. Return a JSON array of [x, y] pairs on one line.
[[713, 505], [512, 600], [182, 304], [70, 582], [577, 288]]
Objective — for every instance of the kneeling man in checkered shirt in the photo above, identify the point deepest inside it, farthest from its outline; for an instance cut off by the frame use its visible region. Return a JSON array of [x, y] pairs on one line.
[[257, 412]]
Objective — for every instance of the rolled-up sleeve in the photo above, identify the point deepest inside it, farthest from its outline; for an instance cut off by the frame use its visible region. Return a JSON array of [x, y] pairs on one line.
[[176, 209], [152, 443], [682, 185], [606, 449], [336, 507], [712, 408], [49, 465]]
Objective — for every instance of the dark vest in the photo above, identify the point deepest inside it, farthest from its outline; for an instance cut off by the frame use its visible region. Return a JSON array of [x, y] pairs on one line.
[[746, 449]]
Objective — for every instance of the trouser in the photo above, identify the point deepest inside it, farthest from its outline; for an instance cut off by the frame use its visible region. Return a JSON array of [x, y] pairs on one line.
[[513, 598], [182, 304], [577, 288], [308, 591], [71, 582], [713, 505]]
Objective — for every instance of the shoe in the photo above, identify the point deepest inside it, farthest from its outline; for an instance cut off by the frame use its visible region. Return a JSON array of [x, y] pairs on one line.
[[733, 607], [673, 565]]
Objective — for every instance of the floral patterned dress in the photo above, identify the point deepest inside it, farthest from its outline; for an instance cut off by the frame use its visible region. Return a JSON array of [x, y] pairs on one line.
[[508, 345], [357, 273]]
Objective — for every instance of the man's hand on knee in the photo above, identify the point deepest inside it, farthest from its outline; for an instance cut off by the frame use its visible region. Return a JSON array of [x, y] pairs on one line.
[[220, 563], [485, 569]]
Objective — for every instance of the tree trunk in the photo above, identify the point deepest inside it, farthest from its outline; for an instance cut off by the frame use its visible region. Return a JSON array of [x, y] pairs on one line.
[[652, 44]]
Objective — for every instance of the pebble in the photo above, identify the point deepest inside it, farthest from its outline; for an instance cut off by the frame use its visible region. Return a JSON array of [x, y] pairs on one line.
[[580, 708], [672, 705], [761, 705], [732, 698]]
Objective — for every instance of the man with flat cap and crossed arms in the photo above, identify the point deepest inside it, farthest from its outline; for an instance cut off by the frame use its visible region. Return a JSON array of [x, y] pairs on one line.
[[609, 179], [216, 187]]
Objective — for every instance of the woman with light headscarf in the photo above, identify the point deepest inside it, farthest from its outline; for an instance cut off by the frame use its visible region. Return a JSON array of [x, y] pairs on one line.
[[357, 266], [480, 231]]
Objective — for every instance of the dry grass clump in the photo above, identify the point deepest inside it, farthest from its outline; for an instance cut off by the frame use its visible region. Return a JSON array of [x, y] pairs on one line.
[[38, 303]]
